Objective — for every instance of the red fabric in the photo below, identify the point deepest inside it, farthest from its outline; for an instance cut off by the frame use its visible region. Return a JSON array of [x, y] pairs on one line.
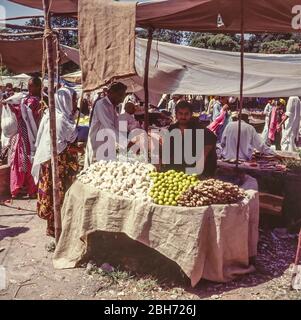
[[20, 151], [218, 122], [276, 117]]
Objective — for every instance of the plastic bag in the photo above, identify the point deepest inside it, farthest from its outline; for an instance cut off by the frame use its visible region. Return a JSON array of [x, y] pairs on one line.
[[9, 124]]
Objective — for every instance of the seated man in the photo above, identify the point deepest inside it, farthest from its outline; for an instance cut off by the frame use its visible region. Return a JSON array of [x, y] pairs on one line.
[[184, 111], [249, 140]]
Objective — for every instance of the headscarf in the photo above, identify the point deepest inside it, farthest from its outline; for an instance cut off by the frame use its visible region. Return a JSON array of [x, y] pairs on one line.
[[66, 130]]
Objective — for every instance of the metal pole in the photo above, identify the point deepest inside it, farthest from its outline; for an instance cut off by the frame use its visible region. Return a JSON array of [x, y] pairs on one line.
[[49, 38], [242, 42], [146, 72]]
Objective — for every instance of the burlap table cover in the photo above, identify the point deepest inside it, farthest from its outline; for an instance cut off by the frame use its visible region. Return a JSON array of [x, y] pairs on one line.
[[213, 242]]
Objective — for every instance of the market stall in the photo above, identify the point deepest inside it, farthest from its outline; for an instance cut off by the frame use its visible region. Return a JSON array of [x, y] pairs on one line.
[[212, 242], [279, 176]]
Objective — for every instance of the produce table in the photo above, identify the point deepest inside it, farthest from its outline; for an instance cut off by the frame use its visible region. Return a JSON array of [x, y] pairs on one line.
[[213, 242], [277, 182]]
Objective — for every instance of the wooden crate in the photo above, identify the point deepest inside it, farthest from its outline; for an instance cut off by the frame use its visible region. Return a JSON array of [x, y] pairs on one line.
[[4, 180], [270, 204]]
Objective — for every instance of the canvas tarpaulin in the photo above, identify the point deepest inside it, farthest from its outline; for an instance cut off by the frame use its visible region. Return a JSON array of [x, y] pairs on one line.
[[212, 243], [221, 15], [26, 56], [56, 6], [202, 15], [186, 70], [18, 81], [107, 41]]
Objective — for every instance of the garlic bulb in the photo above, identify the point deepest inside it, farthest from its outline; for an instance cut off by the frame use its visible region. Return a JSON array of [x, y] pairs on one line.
[[125, 179]]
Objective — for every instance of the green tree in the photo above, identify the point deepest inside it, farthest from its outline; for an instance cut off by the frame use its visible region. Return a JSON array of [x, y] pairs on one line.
[[68, 38], [5, 72], [222, 42], [163, 35]]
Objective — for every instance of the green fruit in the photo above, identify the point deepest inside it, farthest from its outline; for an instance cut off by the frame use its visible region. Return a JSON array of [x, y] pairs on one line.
[[174, 203], [160, 202]]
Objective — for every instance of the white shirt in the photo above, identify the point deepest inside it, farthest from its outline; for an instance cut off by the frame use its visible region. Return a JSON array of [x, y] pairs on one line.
[[104, 117], [131, 121], [172, 107], [292, 125], [249, 140]]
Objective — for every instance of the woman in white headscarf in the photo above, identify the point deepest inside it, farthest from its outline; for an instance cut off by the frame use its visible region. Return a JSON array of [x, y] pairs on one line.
[[290, 134], [65, 104]]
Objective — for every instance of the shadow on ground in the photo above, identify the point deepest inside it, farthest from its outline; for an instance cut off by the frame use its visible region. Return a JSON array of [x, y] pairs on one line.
[[274, 257], [12, 232]]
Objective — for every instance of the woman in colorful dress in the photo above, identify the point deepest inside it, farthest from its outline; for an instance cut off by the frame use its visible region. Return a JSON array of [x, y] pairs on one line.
[[275, 130], [22, 145], [65, 104]]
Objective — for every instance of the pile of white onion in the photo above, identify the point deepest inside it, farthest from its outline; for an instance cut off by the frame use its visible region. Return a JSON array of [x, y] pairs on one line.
[[125, 179]]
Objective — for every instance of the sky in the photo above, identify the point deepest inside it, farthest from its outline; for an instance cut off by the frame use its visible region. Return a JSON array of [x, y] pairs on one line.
[[15, 10]]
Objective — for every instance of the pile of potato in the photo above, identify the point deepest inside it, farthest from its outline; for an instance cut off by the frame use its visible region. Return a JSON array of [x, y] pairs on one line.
[[210, 192]]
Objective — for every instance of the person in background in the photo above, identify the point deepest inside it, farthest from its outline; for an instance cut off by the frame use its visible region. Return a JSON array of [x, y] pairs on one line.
[[267, 112], [128, 116], [104, 116], [291, 121], [22, 145], [65, 104], [184, 112], [171, 107], [9, 91], [163, 103], [276, 123], [220, 123], [217, 108], [104, 92], [249, 139], [129, 98]]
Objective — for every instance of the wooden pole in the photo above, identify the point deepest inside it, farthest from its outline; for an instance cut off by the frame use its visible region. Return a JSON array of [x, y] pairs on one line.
[[146, 72], [242, 43], [49, 38]]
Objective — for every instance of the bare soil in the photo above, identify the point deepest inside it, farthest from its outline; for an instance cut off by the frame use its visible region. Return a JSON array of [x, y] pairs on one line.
[[25, 252]]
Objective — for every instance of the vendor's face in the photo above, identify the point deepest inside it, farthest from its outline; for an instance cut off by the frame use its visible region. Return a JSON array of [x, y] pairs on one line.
[[117, 97], [33, 89], [183, 116]]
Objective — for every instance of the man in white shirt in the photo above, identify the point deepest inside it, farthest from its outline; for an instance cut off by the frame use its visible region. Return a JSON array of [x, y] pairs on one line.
[[172, 105], [104, 116], [217, 107], [290, 134], [267, 112], [129, 118], [249, 140]]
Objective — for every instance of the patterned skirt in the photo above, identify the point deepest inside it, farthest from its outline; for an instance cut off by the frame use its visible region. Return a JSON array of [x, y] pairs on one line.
[[68, 168]]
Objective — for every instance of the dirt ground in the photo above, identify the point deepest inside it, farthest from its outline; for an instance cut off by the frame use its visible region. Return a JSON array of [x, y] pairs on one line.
[[25, 253]]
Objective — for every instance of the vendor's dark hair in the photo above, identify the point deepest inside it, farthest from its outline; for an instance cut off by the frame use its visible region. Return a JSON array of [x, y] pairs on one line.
[[36, 81], [117, 87], [184, 105]]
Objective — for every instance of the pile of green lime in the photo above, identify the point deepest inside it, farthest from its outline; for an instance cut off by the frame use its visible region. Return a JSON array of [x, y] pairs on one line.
[[169, 186]]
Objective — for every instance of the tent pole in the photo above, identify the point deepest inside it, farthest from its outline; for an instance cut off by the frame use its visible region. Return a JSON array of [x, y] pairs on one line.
[[49, 38], [146, 72], [242, 42]]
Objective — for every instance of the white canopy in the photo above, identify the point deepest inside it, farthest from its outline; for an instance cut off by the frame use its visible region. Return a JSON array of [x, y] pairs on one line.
[[186, 70], [18, 81]]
